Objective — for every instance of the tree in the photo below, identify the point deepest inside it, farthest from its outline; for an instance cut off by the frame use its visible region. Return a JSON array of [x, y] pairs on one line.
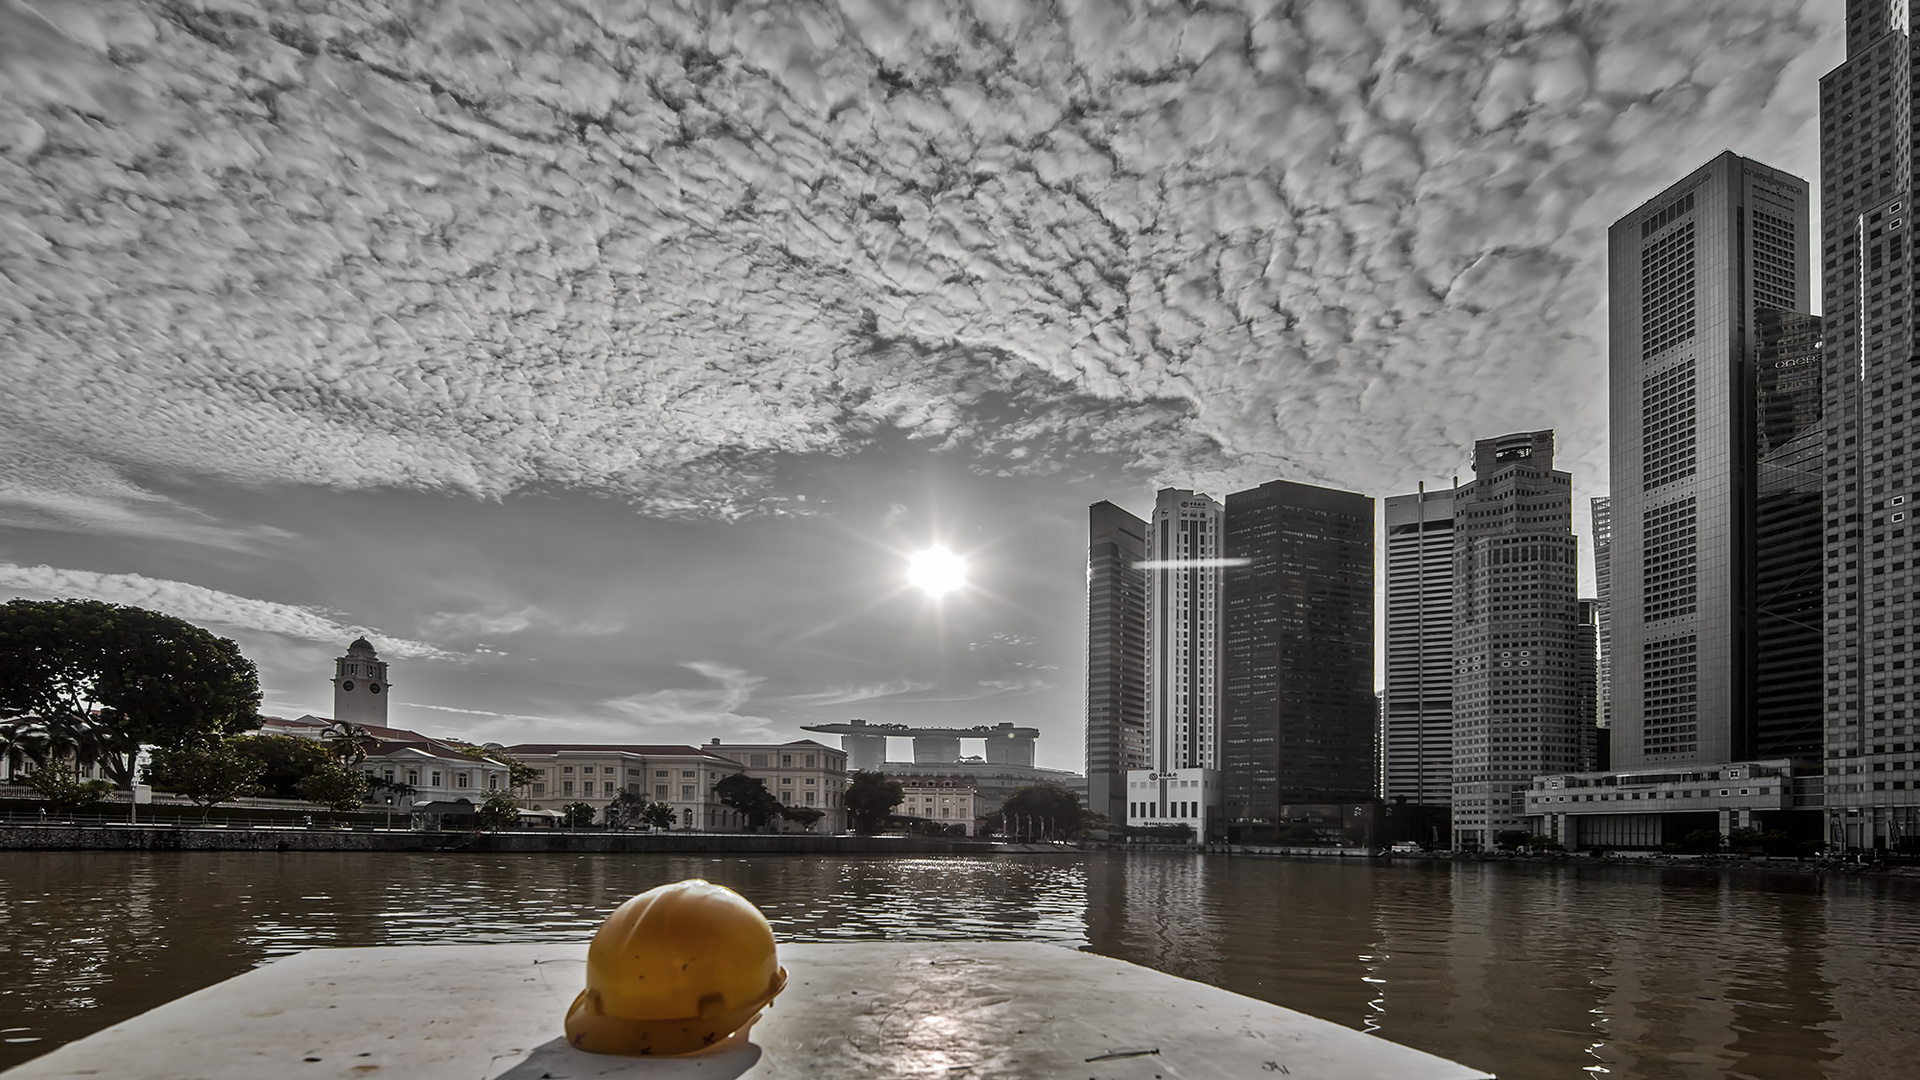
[[286, 761], [749, 796], [498, 812], [806, 816], [336, 785], [625, 810], [1703, 842], [207, 771], [126, 675], [657, 815], [1043, 810], [22, 743], [66, 794], [349, 742], [577, 815], [871, 797]]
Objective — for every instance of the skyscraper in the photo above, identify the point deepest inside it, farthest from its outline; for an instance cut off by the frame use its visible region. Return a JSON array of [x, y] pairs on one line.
[[1603, 628], [1788, 521], [1184, 575], [1417, 744], [1300, 709], [1116, 656], [1689, 274], [1517, 680], [1867, 151]]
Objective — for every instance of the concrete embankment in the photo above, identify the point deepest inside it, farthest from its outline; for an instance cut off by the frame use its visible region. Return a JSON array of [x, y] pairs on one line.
[[185, 838]]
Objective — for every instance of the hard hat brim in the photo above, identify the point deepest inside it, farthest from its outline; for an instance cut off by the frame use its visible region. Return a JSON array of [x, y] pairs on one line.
[[592, 1030]]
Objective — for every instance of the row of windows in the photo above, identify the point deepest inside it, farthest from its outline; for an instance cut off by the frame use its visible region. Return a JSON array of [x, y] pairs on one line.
[[1670, 687], [1667, 425], [1667, 290]]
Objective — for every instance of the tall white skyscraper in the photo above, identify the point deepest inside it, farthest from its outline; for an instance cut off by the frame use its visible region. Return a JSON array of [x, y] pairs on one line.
[[1185, 573], [1418, 742]]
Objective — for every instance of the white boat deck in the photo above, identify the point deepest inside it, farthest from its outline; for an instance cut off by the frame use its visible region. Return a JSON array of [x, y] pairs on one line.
[[876, 1009]]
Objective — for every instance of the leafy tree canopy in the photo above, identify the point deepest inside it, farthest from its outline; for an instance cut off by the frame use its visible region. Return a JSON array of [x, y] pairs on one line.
[[1043, 809], [749, 796], [337, 785], [498, 812], [124, 675], [65, 794], [207, 771], [286, 761], [577, 815], [871, 797]]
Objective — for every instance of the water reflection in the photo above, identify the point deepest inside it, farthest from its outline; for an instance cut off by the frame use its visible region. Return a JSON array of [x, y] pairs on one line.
[[1551, 971]]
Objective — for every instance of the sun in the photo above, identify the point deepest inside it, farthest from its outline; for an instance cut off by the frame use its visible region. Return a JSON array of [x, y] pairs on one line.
[[937, 571]]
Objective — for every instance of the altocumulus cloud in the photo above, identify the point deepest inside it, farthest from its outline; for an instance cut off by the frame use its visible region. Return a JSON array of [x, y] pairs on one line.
[[481, 246], [198, 604]]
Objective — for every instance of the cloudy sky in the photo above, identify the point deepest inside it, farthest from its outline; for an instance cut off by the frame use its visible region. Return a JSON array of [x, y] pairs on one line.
[[603, 362]]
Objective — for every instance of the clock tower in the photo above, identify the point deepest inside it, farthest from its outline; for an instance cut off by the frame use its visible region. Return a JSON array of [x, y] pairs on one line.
[[360, 686]]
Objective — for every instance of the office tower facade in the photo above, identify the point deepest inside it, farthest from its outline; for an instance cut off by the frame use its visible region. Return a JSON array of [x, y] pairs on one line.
[[1867, 151], [1185, 575], [1603, 627], [1788, 522], [1116, 656], [1586, 628], [1299, 703], [1689, 272], [1417, 740], [1517, 704]]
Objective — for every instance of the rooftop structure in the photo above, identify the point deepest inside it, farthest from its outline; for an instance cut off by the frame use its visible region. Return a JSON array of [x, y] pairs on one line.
[[866, 744]]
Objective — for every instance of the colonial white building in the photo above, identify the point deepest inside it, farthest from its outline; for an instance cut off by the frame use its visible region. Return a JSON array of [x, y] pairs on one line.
[[680, 776], [948, 800], [803, 773], [360, 687]]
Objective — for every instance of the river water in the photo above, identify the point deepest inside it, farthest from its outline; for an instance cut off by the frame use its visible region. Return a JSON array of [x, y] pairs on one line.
[[1566, 970]]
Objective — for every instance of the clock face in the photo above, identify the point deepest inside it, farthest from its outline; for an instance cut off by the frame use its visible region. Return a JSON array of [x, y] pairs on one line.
[[373, 688], [347, 686]]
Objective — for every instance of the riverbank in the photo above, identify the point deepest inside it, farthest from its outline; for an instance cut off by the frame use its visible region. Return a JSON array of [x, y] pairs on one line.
[[172, 837]]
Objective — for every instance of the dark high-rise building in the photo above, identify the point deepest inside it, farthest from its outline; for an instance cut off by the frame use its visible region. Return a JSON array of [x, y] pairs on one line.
[[1417, 738], [1788, 519], [1518, 709], [1586, 629], [1690, 273], [1300, 710], [1603, 625], [1116, 656], [1872, 466]]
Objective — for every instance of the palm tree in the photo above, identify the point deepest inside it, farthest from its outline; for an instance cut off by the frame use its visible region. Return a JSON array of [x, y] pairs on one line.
[[22, 742], [349, 741]]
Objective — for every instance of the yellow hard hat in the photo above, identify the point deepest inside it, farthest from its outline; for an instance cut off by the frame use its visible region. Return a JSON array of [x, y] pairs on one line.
[[674, 971]]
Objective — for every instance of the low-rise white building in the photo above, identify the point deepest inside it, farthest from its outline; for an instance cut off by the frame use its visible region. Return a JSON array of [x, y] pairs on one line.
[[1191, 797], [1650, 808], [802, 773], [948, 800], [680, 776]]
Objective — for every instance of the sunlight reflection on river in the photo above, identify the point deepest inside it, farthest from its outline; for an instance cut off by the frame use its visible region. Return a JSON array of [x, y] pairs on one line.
[[1530, 971]]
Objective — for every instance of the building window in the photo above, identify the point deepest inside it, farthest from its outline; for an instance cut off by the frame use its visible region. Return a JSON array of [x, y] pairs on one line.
[[809, 761], [809, 798], [493, 782], [436, 778], [686, 774], [539, 790], [606, 770], [568, 769], [686, 792], [566, 787], [759, 761], [786, 761], [661, 774], [459, 779], [413, 776], [586, 788], [660, 792]]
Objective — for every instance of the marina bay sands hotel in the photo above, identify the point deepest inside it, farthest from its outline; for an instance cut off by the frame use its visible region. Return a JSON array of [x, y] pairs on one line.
[[1005, 764]]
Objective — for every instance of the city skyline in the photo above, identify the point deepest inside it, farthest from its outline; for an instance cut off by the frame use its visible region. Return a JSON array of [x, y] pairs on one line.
[[516, 374]]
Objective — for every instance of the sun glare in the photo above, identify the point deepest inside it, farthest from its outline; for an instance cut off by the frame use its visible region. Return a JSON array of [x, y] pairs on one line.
[[937, 571]]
